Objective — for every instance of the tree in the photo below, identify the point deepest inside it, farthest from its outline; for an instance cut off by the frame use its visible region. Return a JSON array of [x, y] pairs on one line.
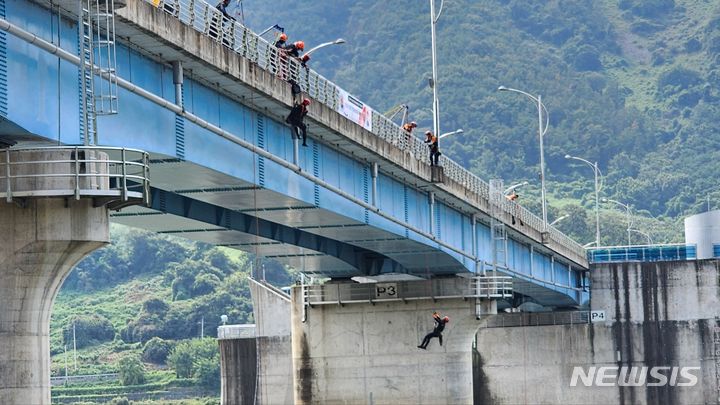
[[131, 370], [156, 351], [181, 359]]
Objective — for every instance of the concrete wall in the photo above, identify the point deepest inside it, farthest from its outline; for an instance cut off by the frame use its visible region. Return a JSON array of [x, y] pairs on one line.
[[658, 314], [364, 353], [258, 370]]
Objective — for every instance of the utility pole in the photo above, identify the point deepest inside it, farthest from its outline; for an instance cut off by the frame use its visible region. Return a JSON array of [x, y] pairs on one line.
[[66, 365], [202, 327], [74, 346]]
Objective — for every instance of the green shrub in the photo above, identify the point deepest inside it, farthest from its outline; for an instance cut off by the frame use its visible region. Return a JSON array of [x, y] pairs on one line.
[[156, 351], [120, 401], [132, 371]]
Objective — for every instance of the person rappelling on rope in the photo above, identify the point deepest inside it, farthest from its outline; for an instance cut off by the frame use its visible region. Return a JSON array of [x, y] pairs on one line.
[[296, 117], [437, 332]]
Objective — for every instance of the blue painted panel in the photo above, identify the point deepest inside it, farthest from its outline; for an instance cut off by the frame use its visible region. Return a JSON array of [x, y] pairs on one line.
[[329, 165], [341, 205], [204, 148], [391, 199], [144, 125], [279, 179], [145, 73], [484, 241], [561, 274], [278, 140], [386, 224], [35, 101], [202, 101], [418, 209]]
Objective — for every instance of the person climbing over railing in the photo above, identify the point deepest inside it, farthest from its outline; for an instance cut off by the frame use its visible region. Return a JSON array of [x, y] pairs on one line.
[[408, 127], [437, 331], [432, 142], [292, 50], [218, 21], [296, 118]]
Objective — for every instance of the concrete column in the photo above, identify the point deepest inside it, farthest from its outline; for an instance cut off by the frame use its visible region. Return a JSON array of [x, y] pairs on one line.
[[40, 242], [364, 353]]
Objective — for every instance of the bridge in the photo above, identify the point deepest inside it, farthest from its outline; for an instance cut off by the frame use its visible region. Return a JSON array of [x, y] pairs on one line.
[[203, 99]]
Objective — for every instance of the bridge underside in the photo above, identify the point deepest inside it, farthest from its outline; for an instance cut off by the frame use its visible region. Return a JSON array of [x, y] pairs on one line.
[[216, 208]]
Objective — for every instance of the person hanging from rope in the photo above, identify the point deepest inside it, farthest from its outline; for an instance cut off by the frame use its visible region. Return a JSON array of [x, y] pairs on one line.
[[437, 331], [296, 117], [432, 142]]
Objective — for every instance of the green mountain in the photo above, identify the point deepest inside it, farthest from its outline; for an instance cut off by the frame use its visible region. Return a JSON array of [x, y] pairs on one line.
[[632, 84]]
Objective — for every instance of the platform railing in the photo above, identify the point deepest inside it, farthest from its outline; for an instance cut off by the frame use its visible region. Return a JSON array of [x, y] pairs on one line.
[[205, 18], [114, 176], [488, 287], [538, 319], [642, 253]]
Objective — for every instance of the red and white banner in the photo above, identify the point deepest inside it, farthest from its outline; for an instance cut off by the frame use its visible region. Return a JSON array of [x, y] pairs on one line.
[[355, 110]]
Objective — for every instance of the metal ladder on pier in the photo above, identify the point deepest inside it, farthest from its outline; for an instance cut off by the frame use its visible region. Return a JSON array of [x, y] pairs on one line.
[[96, 25]]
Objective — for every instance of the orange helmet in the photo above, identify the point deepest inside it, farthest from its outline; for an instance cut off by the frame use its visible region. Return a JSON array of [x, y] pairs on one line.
[[283, 37], [446, 319], [306, 101], [305, 58], [300, 45]]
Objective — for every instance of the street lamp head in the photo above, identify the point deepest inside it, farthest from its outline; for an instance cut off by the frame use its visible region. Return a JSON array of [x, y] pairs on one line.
[[502, 88], [339, 41], [568, 157], [459, 131]]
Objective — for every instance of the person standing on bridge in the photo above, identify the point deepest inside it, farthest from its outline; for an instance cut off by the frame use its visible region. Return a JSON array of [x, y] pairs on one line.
[[437, 332], [296, 118], [282, 38], [432, 142]]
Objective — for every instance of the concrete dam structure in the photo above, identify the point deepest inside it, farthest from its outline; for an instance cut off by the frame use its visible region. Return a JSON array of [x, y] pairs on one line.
[[654, 339]]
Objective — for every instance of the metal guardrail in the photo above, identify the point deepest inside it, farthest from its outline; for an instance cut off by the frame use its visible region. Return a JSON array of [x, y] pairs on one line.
[[236, 331], [116, 176], [538, 319], [206, 19], [642, 253], [489, 287]]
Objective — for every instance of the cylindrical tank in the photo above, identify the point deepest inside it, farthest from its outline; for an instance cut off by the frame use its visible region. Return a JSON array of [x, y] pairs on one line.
[[703, 230]]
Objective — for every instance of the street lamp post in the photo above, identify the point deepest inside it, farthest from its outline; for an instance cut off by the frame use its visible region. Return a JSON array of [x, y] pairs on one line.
[[457, 131], [324, 44], [434, 84], [558, 219], [513, 187], [645, 234], [627, 210], [542, 129], [598, 187]]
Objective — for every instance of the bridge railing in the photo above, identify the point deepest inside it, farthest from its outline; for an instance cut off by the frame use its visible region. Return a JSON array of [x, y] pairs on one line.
[[489, 287], [642, 253], [205, 18]]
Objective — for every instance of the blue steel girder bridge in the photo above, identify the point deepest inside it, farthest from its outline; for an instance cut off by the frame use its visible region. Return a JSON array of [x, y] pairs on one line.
[[206, 97]]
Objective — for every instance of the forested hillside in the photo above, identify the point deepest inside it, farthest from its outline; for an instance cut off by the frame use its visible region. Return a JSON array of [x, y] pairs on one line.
[[632, 84]]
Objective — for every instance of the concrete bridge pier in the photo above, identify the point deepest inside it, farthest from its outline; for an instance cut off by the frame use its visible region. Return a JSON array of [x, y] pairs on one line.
[[367, 352], [41, 239]]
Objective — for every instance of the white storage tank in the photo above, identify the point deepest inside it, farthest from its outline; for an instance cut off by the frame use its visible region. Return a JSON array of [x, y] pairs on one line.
[[703, 230]]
